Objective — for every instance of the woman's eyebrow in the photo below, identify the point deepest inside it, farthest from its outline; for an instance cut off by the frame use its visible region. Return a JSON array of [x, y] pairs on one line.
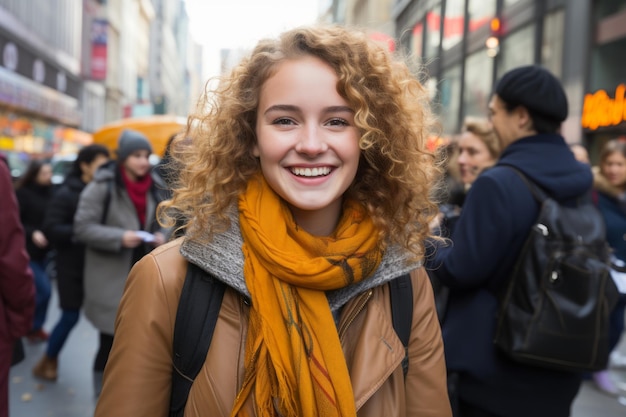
[[292, 108]]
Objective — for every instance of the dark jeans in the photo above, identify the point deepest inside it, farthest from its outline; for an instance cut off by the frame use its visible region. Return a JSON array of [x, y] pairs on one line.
[[616, 324], [61, 331], [469, 410], [106, 342], [43, 291]]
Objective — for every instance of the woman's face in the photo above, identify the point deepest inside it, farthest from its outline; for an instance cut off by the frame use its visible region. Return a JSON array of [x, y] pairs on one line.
[[614, 169], [307, 142], [473, 157], [137, 164], [44, 176]]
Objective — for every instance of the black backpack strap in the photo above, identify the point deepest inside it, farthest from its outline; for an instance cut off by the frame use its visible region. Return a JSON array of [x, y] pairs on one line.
[[539, 194], [401, 295], [198, 308], [107, 202]]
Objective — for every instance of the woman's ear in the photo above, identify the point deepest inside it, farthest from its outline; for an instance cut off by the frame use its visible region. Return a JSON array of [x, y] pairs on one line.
[[255, 150], [525, 122]]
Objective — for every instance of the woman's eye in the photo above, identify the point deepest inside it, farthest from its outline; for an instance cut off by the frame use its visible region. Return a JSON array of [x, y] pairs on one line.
[[283, 121], [338, 122]]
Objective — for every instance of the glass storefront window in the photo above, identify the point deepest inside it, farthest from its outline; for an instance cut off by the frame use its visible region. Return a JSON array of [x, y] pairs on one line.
[[433, 23], [552, 42], [478, 83], [480, 13], [605, 8], [517, 49], [450, 97], [453, 23], [607, 66], [417, 41]]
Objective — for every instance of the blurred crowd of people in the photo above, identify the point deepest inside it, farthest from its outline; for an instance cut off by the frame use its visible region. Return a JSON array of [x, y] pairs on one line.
[[307, 190]]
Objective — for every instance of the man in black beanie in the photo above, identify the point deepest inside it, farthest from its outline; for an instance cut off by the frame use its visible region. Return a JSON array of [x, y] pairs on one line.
[[527, 108]]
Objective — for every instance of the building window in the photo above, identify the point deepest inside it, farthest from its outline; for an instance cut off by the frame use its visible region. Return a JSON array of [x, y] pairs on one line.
[[480, 13], [433, 24], [450, 97], [606, 8], [607, 66], [453, 23], [517, 49], [552, 42], [417, 41], [478, 83]]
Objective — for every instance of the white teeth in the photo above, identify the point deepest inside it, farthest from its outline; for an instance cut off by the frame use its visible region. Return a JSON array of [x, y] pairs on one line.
[[311, 172]]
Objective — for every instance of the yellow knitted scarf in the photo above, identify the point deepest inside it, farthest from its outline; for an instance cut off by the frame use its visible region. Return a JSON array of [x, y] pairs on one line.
[[294, 363]]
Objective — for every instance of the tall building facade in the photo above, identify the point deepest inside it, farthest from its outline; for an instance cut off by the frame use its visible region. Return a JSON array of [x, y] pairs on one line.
[[462, 46], [465, 45], [40, 80], [67, 67], [169, 74]]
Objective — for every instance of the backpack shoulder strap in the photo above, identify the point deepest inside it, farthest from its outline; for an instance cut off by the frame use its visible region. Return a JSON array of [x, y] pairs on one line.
[[401, 295], [198, 308], [539, 194], [107, 202]]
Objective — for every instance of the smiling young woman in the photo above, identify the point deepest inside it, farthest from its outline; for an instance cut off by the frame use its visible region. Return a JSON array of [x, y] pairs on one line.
[[305, 188]]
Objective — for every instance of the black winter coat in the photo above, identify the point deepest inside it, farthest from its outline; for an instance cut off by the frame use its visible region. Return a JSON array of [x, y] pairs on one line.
[[33, 200], [497, 215], [70, 255]]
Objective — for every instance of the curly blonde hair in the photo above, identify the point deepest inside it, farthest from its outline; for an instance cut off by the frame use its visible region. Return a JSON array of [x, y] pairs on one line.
[[396, 172]]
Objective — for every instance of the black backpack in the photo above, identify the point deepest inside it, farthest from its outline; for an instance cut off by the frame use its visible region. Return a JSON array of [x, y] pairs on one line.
[[554, 311], [199, 306]]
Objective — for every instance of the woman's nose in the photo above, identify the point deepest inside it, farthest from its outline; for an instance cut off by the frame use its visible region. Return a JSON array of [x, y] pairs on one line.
[[311, 141]]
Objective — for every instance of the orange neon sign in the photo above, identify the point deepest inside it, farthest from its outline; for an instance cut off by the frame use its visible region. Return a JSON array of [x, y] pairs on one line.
[[600, 110]]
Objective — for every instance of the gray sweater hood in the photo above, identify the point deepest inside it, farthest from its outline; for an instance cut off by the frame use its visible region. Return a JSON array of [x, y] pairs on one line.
[[223, 259]]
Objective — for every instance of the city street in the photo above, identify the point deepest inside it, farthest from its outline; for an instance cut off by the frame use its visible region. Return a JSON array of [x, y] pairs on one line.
[[73, 394]]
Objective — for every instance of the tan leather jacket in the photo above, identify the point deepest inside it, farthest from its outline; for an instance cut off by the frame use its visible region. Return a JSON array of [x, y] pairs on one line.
[[138, 375]]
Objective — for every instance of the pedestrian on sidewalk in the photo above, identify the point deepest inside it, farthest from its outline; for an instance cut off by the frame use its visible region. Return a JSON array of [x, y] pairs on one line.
[[307, 194], [34, 190], [17, 286], [526, 110], [116, 220], [70, 255], [610, 197]]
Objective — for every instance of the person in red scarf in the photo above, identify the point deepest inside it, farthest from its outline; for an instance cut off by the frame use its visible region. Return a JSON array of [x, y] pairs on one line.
[[116, 220]]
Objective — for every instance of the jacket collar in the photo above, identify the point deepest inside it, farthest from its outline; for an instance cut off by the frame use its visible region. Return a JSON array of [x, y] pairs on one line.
[[222, 258]]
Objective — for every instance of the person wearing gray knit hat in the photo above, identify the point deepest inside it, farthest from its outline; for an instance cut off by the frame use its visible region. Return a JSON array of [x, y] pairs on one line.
[[131, 141]]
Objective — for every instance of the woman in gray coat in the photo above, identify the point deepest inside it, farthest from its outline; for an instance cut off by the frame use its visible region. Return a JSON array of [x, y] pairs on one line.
[[116, 220]]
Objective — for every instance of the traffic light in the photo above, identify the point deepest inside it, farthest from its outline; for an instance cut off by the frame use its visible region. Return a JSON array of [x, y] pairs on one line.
[[493, 41]]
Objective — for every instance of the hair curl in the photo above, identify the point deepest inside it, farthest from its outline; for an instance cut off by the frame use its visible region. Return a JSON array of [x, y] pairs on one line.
[[396, 174]]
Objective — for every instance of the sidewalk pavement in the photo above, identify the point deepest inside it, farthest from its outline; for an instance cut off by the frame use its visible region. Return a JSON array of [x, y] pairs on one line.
[[73, 395]]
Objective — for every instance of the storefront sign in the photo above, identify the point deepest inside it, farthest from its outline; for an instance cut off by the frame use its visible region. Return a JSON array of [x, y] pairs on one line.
[[99, 29], [19, 92], [600, 110]]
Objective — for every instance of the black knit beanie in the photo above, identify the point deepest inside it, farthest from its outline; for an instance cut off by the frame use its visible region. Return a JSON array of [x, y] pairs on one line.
[[536, 89]]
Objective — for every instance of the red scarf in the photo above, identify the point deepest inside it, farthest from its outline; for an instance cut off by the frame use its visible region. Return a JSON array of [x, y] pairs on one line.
[[138, 193]]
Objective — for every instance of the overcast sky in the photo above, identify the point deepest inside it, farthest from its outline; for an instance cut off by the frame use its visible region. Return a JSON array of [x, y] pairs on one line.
[[241, 23]]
